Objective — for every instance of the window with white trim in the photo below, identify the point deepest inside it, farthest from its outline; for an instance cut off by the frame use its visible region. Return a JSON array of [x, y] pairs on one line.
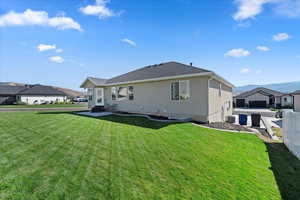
[[90, 94], [130, 93], [122, 93], [220, 90], [180, 90], [113, 93]]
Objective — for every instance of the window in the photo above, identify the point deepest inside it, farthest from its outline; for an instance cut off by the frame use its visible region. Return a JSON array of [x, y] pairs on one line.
[[285, 99], [113, 93], [130, 93], [180, 90], [90, 94], [175, 91], [122, 93], [220, 90]]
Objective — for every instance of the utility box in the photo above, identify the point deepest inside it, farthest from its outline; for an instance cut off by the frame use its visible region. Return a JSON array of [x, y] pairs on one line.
[[231, 119], [255, 118]]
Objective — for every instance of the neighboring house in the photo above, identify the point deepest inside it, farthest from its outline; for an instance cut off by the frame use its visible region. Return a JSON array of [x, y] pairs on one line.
[[8, 93], [39, 94], [296, 96], [30, 94], [263, 98], [169, 89]]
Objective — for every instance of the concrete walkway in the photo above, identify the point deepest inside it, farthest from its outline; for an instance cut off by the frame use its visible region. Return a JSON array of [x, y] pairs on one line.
[[43, 109], [249, 111], [96, 114]]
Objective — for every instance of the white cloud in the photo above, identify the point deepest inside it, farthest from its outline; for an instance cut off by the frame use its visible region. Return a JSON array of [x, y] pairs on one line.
[[99, 9], [259, 71], [45, 47], [245, 70], [132, 43], [59, 50], [263, 48], [249, 8], [289, 8], [281, 37], [56, 59], [237, 53], [38, 18]]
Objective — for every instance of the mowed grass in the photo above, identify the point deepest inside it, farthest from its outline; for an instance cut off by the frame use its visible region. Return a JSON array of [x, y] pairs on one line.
[[66, 156], [45, 106]]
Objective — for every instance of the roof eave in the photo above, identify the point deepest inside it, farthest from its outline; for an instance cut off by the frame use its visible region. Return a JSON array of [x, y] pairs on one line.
[[219, 78], [161, 78]]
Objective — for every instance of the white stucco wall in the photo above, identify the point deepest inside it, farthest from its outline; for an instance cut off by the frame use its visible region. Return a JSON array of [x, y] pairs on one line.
[[220, 103], [38, 99], [289, 101], [297, 103], [155, 98]]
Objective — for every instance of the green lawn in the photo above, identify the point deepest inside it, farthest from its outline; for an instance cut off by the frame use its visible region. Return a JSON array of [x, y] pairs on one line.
[[66, 156], [44, 106]]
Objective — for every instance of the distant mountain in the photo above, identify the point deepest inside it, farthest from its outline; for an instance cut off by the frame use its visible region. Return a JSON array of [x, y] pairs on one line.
[[287, 87], [12, 83], [70, 93]]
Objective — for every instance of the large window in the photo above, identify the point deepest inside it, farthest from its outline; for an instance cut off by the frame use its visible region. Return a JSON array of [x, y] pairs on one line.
[[122, 93], [175, 91], [113, 93], [180, 90], [130, 93], [90, 94]]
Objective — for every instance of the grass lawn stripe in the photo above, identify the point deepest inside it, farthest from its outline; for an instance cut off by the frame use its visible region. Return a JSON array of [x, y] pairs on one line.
[[65, 156], [70, 165]]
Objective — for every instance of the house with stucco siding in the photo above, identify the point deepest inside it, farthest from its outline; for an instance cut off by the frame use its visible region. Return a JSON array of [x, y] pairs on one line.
[[30, 94], [263, 98], [296, 97], [171, 89]]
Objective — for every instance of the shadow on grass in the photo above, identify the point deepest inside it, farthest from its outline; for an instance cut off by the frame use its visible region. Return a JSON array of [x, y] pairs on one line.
[[286, 169], [128, 120]]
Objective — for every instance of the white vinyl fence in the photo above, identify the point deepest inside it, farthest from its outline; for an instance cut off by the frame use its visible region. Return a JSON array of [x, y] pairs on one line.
[[291, 132]]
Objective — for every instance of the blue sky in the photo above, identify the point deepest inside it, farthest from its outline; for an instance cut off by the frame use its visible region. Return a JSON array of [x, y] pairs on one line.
[[62, 42]]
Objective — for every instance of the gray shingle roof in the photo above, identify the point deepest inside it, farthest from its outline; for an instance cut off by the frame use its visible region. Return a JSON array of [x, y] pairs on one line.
[[262, 90], [41, 90], [10, 90], [98, 81], [157, 71]]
